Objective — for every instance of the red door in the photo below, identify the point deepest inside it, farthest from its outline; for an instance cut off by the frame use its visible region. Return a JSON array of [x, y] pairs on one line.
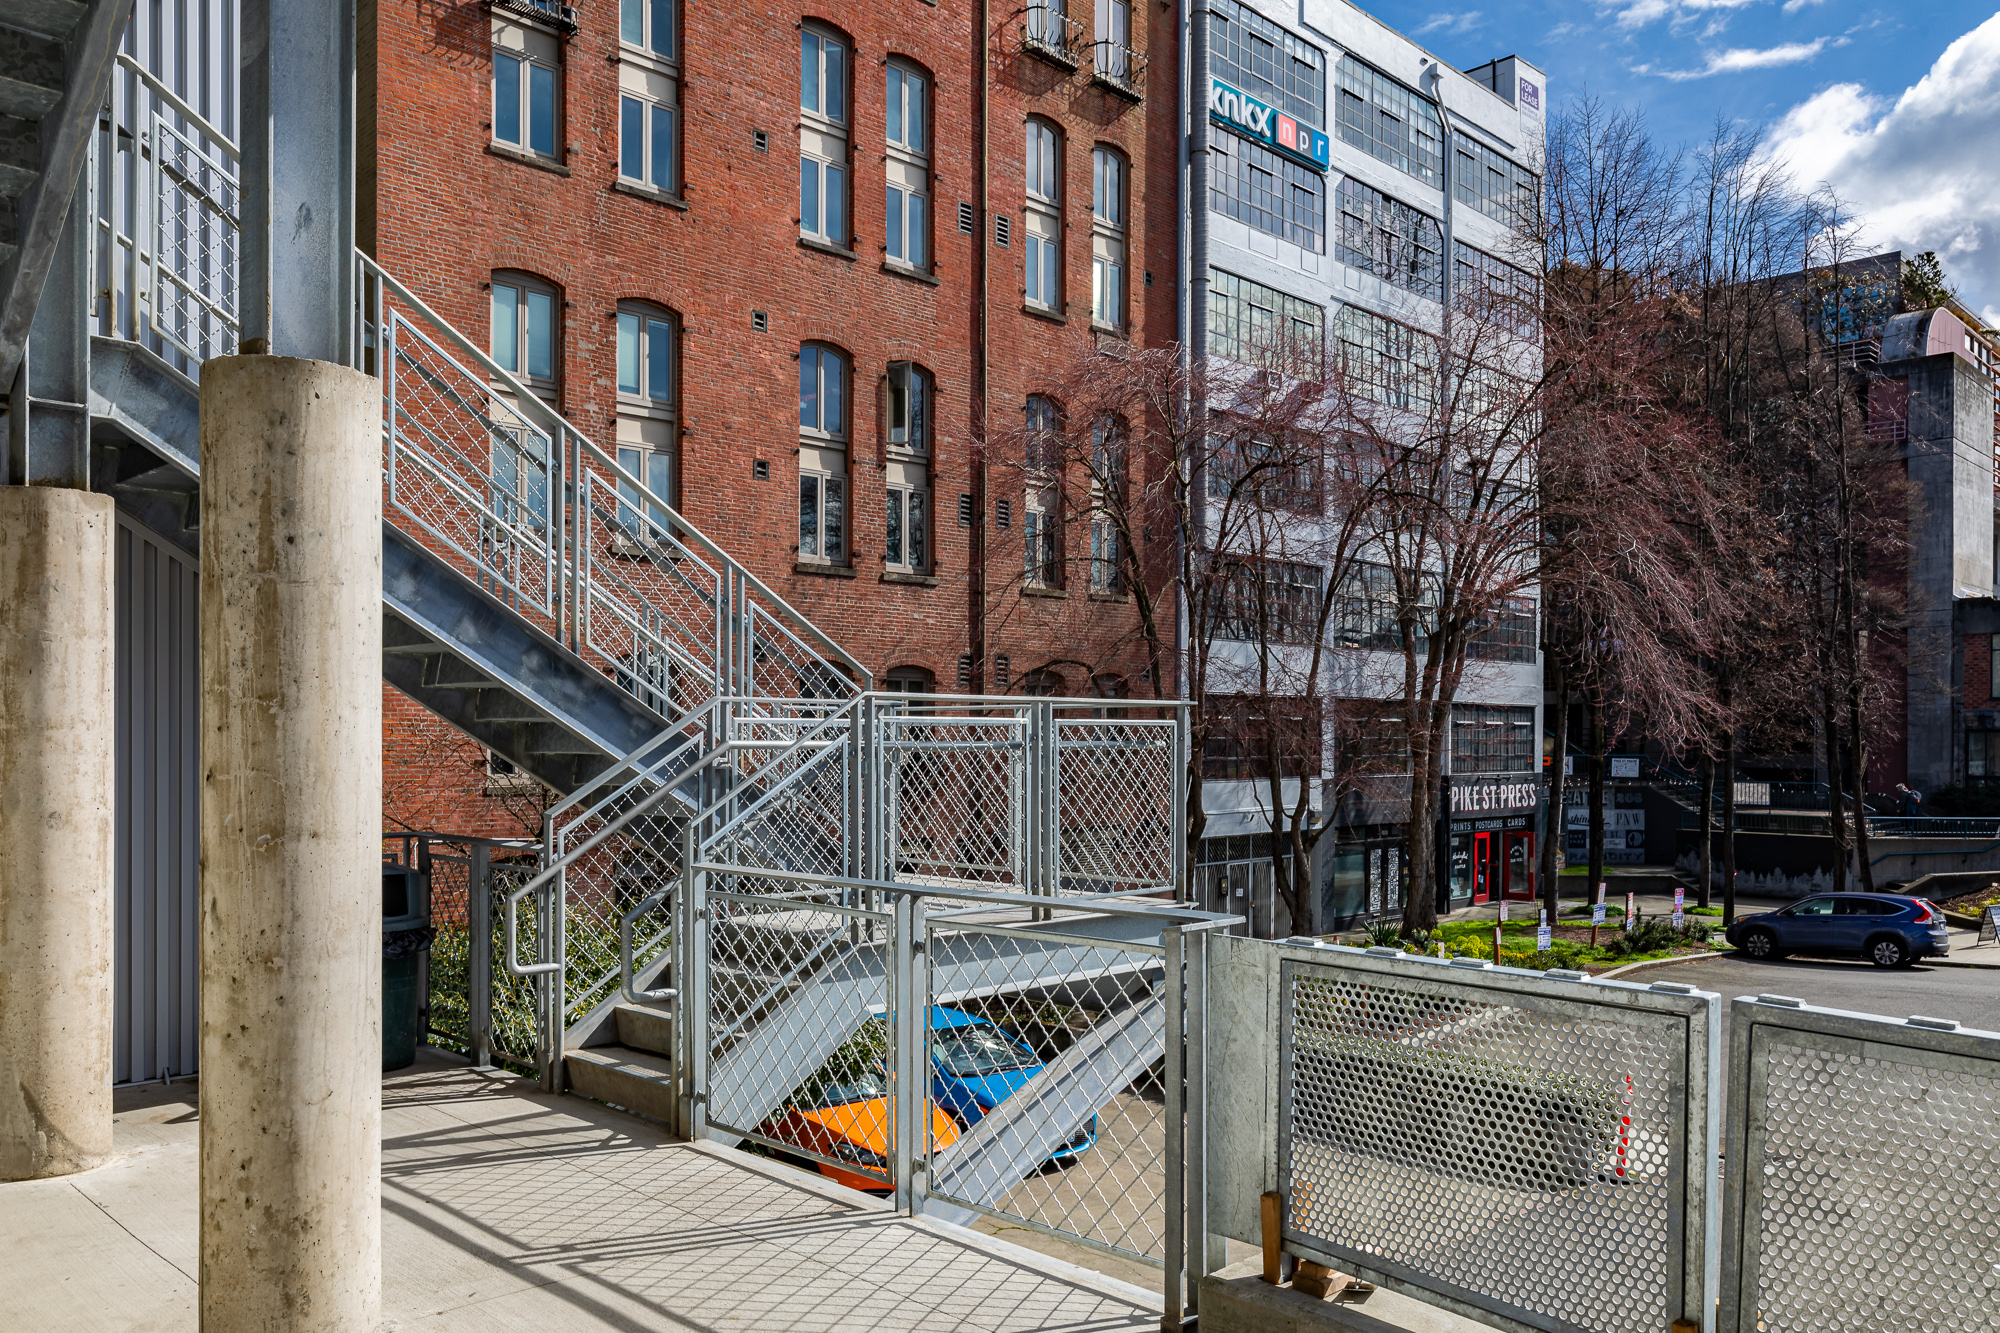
[[1482, 867]]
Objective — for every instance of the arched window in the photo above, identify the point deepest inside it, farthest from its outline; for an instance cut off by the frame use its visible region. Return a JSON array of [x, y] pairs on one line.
[[1107, 237], [910, 680], [525, 337], [906, 117], [1042, 216], [647, 428], [823, 121], [823, 374]]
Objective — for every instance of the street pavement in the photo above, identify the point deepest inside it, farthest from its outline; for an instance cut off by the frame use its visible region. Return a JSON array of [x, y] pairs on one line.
[[1970, 995]]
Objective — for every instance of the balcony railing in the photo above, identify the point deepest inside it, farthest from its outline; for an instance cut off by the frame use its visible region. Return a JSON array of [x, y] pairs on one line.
[[1052, 35], [1119, 69]]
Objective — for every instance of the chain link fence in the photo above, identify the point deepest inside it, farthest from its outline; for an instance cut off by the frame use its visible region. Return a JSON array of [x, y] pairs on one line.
[[1119, 813], [1863, 1189]]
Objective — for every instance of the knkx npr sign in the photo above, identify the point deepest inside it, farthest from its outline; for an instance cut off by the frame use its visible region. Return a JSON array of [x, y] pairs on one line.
[[1269, 126]]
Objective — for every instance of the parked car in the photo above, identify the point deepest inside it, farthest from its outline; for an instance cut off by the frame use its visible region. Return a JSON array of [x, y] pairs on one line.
[[1889, 930], [976, 1065], [847, 1119]]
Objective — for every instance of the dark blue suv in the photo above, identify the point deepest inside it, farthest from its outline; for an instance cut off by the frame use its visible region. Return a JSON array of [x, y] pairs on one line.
[[1886, 929]]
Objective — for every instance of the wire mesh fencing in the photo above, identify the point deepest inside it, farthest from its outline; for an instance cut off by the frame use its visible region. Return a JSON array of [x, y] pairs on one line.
[[1118, 815], [956, 793], [1535, 1152], [1046, 1052], [1863, 1182]]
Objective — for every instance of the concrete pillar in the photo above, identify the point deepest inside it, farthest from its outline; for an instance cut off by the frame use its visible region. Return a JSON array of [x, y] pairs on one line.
[[291, 808], [56, 756]]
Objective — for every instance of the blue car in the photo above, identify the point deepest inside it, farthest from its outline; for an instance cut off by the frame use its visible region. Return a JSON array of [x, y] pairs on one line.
[[1889, 930], [975, 1066]]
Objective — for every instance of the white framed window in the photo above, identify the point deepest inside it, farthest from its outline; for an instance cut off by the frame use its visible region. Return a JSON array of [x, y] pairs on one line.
[[1107, 237], [1114, 40], [647, 433], [1107, 471], [910, 680], [1039, 538], [1042, 216], [1043, 430], [1105, 574], [648, 127], [823, 65], [909, 407], [524, 330], [822, 455], [906, 117], [906, 539], [648, 25], [822, 392], [527, 77]]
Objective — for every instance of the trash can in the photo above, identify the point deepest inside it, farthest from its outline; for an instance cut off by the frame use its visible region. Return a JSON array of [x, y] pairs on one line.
[[406, 933]]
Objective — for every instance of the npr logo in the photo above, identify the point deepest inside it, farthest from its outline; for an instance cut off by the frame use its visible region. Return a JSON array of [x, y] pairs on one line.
[[1268, 124]]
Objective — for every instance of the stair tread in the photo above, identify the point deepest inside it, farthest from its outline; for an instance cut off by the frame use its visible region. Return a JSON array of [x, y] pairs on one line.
[[648, 1065]]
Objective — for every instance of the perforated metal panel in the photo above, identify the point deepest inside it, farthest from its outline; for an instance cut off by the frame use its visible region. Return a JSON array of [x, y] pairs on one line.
[[1510, 1146], [1869, 1195]]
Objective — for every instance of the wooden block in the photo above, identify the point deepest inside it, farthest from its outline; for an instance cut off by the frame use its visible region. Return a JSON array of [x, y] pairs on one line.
[[1685, 1326], [1273, 1245], [1316, 1280]]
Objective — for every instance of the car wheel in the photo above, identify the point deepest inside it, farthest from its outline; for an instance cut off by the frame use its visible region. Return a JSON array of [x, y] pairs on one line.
[[1888, 951], [1762, 945]]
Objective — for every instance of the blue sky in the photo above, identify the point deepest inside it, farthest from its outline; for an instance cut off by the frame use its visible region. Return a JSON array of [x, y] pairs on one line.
[[1898, 107]]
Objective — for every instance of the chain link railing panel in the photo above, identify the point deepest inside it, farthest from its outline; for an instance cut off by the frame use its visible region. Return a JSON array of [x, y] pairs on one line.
[[1535, 1152], [956, 790], [1864, 1173], [1048, 1054], [1116, 819]]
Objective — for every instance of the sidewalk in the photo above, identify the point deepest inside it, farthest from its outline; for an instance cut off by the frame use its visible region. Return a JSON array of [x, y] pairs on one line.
[[505, 1209]]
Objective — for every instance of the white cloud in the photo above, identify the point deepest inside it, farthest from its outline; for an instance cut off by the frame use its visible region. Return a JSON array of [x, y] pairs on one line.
[[1921, 172], [1452, 25], [1794, 6], [1742, 58], [1639, 13]]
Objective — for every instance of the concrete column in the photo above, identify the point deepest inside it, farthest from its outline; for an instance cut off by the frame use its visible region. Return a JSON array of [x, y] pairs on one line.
[[291, 808], [56, 756]]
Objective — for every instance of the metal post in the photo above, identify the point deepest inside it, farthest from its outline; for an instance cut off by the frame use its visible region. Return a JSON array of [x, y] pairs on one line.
[[479, 956], [49, 412], [1177, 833], [297, 82], [1206, 1251], [555, 996], [693, 1006], [1175, 1224], [907, 1015]]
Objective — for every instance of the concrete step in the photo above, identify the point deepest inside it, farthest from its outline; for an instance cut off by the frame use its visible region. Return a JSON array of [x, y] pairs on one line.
[[640, 1081], [647, 1027]]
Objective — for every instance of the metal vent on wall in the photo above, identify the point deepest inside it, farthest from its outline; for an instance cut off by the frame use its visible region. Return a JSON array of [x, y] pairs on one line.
[[966, 219], [1001, 230], [964, 510], [1003, 513]]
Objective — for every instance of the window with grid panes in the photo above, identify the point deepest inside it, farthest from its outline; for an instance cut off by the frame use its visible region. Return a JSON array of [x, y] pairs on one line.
[[1265, 601], [1483, 179], [648, 94], [1261, 326], [906, 534], [1039, 538], [1273, 194], [906, 212], [1042, 217], [1387, 362], [1506, 634], [1107, 472], [1262, 59], [1485, 285], [1492, 739], [1367, 612], [823, 137], [1388, 121], [527, 83], [1390, 239]]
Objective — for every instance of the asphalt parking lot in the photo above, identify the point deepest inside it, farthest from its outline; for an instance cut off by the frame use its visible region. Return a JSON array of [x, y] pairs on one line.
[[1969, 995]]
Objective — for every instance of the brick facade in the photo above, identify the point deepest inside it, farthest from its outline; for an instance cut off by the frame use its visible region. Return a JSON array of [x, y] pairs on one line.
[[443, 209]]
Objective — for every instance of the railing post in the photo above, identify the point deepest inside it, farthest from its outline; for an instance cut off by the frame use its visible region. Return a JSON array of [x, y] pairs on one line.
[[909, 1015], [692, 939], [555, 983], [1177, 784], [1175, 1225], [479, 956]]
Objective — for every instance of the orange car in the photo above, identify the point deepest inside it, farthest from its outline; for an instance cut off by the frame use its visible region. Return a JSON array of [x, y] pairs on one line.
[[849, 1120]]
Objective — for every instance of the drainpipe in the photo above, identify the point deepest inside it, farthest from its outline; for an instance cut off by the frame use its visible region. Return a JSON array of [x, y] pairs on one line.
[[1194, 308], [975, 573]]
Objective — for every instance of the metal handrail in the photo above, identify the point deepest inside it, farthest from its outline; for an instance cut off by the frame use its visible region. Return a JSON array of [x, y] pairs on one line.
[[559, 427], [180, 108], [625, 952]]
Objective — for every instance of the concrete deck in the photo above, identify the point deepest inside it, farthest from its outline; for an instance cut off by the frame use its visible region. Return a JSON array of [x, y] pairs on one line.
[[506, 1209]]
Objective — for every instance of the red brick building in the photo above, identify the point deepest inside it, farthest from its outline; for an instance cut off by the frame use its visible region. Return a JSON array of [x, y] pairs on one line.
[[667, 220]]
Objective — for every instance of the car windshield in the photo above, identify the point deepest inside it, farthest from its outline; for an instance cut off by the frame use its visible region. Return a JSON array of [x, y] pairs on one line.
[[973, 1052], [859, 1086]]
